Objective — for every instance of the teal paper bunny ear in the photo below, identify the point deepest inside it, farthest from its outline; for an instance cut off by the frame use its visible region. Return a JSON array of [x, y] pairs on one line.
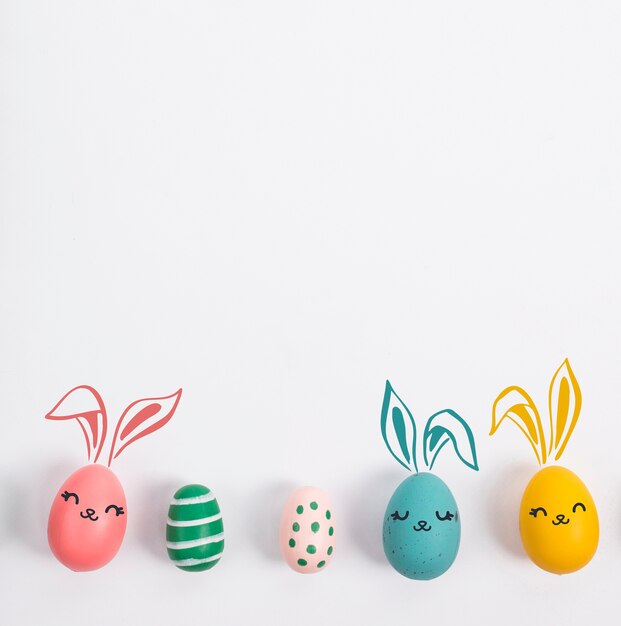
[[399, 429], [445, 426]]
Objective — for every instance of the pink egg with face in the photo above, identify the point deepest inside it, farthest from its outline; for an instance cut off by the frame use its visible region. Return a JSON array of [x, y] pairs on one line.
[[88, 519], [307, 530]]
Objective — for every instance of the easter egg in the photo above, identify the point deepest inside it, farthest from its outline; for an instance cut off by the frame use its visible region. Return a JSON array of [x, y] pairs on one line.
[[194, 530], [307, 530], [88, 518], [558, 521], [421, 528]]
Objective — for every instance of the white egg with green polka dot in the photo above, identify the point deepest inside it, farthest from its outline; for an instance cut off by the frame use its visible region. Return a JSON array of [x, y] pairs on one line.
[[307, 530]]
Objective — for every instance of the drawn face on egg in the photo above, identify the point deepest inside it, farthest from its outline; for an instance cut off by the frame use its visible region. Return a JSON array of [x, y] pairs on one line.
[[90, 514], [560, 518], [88, 519], [558, 521], [425, 507], [422, 527]]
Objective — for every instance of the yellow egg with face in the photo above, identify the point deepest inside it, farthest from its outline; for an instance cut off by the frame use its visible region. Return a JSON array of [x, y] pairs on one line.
[[558, 521]]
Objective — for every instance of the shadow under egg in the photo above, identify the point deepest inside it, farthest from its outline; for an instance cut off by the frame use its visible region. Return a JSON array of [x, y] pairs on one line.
[[151, 503], [503, 506], [27, 505], [366, 506], [265, 506]]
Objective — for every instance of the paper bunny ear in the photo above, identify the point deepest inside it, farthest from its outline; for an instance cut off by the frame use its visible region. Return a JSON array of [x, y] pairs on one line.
[[398, 429], [85, 405], [514, 403], [445, 426], [565, 402], [142, 418]]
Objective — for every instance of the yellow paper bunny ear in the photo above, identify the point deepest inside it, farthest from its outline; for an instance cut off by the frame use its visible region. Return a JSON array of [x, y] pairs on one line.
[[564, 402], [514, 403]]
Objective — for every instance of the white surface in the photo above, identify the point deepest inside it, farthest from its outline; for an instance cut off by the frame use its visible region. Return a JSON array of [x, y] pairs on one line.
[[277, 205]]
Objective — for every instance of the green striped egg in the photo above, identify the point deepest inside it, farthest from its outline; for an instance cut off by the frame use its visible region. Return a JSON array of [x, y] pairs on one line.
[[194, 530]]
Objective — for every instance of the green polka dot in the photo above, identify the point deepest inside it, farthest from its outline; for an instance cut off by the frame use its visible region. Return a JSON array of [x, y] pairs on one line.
[[302, 562], [328, 515], [300, 510], [313, 505], [315, 526], [295, 527], [292, 543], [330, 531], [311, 549], [330, 549], [321, 563]]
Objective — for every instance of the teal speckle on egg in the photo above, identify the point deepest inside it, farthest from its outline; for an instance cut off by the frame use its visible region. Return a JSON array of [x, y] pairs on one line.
[[194, 530], [422, 528]]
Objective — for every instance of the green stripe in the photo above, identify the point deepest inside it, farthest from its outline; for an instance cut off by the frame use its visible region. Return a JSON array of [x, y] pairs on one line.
[[184, 512], [185, 533], [198, 568], [198, 552]]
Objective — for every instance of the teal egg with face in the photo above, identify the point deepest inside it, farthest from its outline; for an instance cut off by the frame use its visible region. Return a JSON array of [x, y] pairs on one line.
[[422, 528]]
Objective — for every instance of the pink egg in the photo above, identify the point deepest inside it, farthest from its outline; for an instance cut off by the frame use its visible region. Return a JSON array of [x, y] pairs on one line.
[[88, 519], [307, 530]]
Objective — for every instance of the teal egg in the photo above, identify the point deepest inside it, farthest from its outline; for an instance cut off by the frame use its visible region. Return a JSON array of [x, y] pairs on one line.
[[422, 528]]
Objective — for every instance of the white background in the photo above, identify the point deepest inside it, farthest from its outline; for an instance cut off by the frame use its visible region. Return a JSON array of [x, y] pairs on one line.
[[278, 205]]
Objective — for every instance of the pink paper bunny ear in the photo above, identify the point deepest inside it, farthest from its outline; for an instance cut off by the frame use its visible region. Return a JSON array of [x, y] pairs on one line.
[[142, 418], [85, 405]]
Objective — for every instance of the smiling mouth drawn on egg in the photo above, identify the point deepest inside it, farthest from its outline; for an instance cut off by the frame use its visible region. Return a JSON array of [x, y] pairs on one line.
[[422, 525], [560, 520], [89, 515]]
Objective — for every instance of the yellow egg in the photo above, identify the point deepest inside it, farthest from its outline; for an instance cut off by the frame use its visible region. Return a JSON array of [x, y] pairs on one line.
[[558, 521]]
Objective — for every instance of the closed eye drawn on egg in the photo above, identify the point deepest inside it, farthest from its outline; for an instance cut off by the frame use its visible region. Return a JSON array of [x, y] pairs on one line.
[[445, 518], [573, 510], [534, 512], [67, 494], [396, 516], [117, 509]]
